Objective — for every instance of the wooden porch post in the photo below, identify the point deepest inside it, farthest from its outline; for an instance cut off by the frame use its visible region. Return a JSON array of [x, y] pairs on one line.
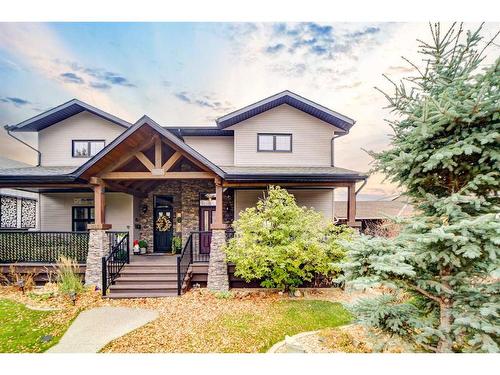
[[219, 221], [351, 204], [99, 205], [98, 239]]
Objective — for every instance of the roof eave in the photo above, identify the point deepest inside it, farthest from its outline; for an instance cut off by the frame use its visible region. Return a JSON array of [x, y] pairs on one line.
[[24, 126], [294, 178]]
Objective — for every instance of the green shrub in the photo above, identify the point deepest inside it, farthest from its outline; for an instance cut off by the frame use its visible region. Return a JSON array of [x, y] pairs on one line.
[[143, 244], [176, 245], [68, 280], [283, 244]]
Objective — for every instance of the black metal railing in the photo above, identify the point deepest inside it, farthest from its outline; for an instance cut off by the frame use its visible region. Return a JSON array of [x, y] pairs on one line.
[[114, 262], [196, 250], [114, 237], [42, 247], [229, 233], [183, 262]]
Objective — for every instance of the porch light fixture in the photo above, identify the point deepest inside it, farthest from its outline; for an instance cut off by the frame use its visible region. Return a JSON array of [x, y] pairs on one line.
[[144, 208]]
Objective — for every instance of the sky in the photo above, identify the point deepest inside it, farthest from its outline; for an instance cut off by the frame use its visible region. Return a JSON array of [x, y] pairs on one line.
[[192, 73]]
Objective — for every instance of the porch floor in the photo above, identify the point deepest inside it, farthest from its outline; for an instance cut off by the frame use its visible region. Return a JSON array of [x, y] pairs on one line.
[[154, 259]]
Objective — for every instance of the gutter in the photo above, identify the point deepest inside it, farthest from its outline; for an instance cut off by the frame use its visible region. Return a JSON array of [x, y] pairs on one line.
[[332, 152], [39, 159]]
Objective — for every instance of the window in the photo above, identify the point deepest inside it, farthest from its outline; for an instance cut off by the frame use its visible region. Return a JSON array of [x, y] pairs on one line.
[[82, 215], [274, 142], [86, 149]]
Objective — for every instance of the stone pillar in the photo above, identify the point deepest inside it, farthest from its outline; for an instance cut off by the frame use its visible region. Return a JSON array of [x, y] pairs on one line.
[[218, 280], [98, 247]]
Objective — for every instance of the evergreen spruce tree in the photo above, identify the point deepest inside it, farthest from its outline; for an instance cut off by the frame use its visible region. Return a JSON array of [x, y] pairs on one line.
[[442, 270]]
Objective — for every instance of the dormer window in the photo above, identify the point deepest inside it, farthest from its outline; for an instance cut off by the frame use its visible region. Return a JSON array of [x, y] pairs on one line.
[[87, 148], [274, 142]]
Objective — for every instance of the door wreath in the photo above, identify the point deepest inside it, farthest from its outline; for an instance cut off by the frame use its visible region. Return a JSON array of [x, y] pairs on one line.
[[163, 223]]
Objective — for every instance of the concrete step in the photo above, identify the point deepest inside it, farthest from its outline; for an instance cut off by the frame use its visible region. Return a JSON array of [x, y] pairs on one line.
[[147, 278], [143, 287], [147, 271], [151, 265], [141, 295]]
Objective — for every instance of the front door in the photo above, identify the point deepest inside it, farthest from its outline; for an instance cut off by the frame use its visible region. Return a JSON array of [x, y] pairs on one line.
[[163, 229], [206, 216]]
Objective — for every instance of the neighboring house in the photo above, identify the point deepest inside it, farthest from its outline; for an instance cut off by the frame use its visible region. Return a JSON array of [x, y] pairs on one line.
[[100, 173], [373, 214], [18, 208]]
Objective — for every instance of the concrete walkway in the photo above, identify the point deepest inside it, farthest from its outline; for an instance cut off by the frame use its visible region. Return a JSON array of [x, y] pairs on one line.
[[94, 328]]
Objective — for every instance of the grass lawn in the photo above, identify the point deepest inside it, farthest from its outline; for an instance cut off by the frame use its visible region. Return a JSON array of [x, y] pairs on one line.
[[203, 323], [22, 329], [238, 332]]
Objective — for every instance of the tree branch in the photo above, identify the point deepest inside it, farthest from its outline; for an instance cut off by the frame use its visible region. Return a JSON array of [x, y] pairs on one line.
[[425, 293]]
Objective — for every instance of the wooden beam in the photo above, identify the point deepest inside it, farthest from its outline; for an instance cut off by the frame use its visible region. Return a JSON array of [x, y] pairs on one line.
[[351, 204], [126, 158], [124, 189], [150, 176], [144, 160], [172, 161], [158, 161], [219, 202], [187, 156]]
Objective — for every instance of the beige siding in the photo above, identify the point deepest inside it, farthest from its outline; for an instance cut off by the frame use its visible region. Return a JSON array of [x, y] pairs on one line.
[[219, 150], [319, 199], [55, 143], [56, 210], [311, 138]]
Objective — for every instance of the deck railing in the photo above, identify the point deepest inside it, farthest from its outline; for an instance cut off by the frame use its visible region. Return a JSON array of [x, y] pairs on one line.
[[42, 247], [117, 258]]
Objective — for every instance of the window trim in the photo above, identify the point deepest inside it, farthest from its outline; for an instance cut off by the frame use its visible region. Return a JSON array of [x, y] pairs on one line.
[[74, 220], [89, 141], [274, 142]]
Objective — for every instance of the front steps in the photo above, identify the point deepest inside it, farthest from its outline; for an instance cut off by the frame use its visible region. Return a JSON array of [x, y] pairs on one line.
[[139, 280]]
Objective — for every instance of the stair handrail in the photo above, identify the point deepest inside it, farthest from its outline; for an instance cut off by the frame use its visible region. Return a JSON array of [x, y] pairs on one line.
[[184, 260], [113, 263]]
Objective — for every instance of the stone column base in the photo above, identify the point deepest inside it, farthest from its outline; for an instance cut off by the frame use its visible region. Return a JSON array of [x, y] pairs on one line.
[[98, 247], [218, 280]]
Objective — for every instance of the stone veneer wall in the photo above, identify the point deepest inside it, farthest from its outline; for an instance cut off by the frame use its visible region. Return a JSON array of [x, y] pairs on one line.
[[186, 196]]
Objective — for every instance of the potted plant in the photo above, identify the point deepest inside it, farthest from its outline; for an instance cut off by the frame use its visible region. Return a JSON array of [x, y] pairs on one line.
[[143, 245], [176, 245]]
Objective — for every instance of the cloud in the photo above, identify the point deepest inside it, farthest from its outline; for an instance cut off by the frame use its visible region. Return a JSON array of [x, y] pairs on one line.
[[166, 83], [72, 78], [204, 101], [40, 49], [116, 79], [99, 85], [18, 102], [102, 78], [276, 48]]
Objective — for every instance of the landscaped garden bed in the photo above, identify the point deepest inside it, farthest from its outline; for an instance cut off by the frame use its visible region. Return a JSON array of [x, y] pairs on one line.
[[199, 321]]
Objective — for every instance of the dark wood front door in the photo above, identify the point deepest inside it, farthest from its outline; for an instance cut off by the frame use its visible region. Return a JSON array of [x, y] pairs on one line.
[[163, 229], [206, 216]]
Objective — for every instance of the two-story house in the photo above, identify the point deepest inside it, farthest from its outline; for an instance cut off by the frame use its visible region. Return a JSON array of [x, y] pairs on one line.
[[98, 173]]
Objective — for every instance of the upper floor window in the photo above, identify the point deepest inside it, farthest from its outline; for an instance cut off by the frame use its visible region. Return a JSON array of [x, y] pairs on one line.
[[87, 148], [267, 142]]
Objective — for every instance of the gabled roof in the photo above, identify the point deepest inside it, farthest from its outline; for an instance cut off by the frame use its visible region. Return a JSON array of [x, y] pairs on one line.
[[145, 120], [60, 113], [287, 97]]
